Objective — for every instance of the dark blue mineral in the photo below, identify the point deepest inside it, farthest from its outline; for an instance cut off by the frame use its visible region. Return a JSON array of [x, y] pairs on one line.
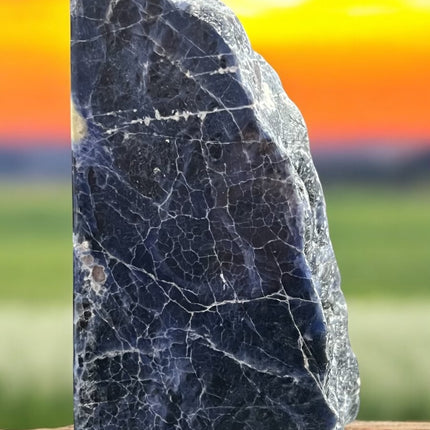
[[206, 291]]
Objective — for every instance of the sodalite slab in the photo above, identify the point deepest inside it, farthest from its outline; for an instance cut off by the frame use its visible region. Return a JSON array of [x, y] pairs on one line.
[[206, 290]]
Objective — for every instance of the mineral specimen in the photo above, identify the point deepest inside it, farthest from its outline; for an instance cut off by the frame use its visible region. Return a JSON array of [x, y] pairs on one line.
[[206, 290]]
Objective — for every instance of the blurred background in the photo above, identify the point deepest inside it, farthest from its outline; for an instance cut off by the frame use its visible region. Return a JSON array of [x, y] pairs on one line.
[[357, 69]]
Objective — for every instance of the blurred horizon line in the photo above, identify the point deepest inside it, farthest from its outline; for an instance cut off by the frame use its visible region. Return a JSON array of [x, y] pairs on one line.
[[363, 164]]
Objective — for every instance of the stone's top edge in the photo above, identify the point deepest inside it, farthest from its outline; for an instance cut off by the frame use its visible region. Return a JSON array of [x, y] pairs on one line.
[[258, 77], [210, 11]]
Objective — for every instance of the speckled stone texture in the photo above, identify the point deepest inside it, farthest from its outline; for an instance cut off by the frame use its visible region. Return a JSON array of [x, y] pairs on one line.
[[206, 291]]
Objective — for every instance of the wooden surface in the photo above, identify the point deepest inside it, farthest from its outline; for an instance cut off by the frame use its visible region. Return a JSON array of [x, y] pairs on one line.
[[357, 425]]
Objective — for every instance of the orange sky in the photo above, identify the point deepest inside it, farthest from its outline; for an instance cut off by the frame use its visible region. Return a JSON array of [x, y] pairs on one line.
[[358, 70]]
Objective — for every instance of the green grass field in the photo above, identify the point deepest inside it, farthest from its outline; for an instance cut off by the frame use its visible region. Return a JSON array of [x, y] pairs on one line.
[[36, 235], [381, 237], [382, 241]]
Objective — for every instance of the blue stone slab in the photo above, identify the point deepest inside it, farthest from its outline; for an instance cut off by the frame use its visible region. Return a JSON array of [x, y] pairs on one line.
[[206, 292]]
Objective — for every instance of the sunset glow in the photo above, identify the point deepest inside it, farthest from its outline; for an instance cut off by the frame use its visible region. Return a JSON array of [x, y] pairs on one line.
[[358, 70]]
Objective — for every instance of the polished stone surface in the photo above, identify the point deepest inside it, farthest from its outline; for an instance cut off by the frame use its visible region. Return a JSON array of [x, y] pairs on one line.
[[206, 291]]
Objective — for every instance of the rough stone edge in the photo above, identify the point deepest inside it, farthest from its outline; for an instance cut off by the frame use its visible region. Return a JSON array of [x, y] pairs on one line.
[[257, 74]]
